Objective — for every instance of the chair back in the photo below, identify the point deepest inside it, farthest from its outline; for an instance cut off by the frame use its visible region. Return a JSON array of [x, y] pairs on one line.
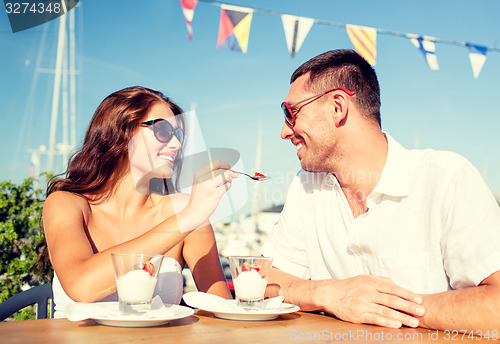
[[39, 295]]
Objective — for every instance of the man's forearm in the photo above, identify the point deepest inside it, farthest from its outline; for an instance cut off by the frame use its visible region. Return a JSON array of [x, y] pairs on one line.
[[295, 290], [470, 309], [361, 299]]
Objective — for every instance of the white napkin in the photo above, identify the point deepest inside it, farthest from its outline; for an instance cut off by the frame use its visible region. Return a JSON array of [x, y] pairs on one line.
[[104, 310], [216, 303], [273, 303]]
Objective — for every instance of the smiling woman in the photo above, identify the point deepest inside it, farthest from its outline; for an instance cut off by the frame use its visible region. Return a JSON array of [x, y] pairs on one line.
[[155, 150], [103, 158], [104, 204]]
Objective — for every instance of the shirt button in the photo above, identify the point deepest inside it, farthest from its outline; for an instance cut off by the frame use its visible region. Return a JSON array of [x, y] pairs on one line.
[[356, 250]]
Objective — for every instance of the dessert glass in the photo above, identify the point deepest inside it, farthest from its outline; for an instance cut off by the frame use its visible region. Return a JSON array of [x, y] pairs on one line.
[[136, 276], [250, 275]]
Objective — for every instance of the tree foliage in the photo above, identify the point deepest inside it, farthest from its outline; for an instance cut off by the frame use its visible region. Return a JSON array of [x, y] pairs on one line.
[[20, 235]]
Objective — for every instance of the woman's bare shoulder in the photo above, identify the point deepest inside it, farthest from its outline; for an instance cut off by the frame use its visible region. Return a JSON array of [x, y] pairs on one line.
[[66, 202]]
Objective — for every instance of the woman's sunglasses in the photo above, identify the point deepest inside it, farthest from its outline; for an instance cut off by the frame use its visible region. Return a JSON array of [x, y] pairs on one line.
[[164, 131], [290, 116]]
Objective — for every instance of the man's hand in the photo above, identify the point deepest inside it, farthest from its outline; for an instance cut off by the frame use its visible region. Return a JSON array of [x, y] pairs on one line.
[[370, 300], [361, 299]]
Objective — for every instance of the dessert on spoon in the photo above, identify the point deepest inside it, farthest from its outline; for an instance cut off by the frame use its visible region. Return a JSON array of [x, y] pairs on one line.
[[256, 176]]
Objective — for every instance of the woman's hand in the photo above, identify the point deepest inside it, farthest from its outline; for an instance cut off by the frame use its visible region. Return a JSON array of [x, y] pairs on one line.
[[210, 183]]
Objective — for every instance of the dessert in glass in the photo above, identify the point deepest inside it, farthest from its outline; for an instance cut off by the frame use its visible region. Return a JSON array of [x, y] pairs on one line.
[[136, 276], [250, 275]]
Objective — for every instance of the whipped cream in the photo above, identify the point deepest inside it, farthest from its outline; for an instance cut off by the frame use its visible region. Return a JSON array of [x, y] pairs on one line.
[[249, 285], [135, 286]]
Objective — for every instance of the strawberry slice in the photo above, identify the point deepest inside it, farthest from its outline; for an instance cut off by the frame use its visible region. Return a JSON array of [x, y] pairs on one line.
[[149, 268], [247, 267], [257, 174]]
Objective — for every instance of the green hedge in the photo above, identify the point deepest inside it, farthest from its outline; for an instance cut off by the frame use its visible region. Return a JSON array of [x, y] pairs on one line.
[[20, 236]]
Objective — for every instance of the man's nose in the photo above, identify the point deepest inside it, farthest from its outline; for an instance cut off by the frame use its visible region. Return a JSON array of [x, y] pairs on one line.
[[286, 132]]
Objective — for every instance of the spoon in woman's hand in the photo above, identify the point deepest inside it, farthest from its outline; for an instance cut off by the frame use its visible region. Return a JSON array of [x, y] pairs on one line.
[[257, 176]]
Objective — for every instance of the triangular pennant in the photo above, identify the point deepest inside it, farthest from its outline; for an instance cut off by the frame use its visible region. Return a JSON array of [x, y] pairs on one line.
[[477, 56], [188, 7], [364, 40], [234, 27], [427, 47], [296, 30]]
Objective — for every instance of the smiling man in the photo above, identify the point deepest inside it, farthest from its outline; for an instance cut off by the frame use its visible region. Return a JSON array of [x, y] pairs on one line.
[[372, 232]]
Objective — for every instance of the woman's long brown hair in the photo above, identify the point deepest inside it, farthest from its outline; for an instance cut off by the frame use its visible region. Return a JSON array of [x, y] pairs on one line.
[[103, 158], [98, 166]]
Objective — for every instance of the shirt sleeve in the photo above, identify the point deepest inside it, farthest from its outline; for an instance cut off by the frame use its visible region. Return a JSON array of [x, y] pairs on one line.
[[286, 242], [471, 238]]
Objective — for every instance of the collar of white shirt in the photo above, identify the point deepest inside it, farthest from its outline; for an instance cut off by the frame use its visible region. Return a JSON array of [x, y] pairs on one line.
[[395, 178]]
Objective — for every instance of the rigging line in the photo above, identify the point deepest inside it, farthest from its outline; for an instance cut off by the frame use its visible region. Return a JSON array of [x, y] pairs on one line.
[[25, 129]]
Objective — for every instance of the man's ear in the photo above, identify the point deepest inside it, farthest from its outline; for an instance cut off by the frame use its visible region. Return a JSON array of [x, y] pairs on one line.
[[340, 108]]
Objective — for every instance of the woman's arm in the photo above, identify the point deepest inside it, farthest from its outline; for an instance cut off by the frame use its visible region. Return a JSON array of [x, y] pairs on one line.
[[85, 276], [201, 254], [88, 277]]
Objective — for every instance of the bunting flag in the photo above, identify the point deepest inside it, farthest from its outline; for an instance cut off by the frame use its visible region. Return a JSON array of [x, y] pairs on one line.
[[234, 28], [235, 22], [296, 30], [364, 40], [427, 47], [188, 7], [477, 56]]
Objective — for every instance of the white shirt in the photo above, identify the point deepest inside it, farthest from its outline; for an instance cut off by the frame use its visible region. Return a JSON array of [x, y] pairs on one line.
[[432, 225], [169, 286]]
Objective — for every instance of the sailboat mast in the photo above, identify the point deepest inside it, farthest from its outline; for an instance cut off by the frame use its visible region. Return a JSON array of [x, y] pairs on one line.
[[57, 89], [65, 57], [256, 186], [72, 76]]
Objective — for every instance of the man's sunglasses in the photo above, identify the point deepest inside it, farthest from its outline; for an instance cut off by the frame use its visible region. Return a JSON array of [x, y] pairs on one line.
[[290, 116], [164, 131]]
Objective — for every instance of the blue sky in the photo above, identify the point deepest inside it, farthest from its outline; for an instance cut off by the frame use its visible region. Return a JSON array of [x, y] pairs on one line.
[[132, 42]]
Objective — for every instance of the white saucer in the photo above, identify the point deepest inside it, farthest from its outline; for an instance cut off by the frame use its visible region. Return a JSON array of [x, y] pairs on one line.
[[227, 309], [171, 312], [255, 315]]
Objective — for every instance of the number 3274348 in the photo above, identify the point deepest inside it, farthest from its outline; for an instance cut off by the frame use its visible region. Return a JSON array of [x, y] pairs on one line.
[[32, 7]]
